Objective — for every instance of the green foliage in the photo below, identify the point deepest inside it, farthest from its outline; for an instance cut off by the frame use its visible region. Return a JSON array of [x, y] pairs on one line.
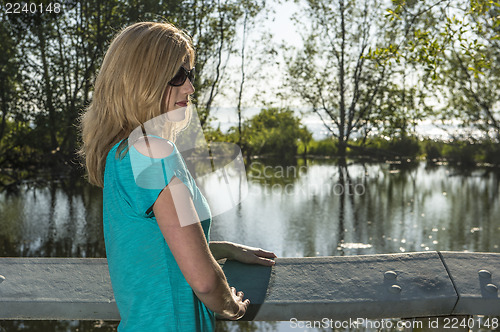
[[464, 153], [433, 149], [460, 152], [400, 109], [491, 154], [273, 131], [49, 62], [324, 147], [406, 147], [216, 135], [213, 26], [457, 46], [336, 73], [305, 136]]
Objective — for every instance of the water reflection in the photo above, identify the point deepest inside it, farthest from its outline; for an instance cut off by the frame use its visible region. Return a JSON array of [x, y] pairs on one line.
[[309, 208], [331, 209], [63, 218]]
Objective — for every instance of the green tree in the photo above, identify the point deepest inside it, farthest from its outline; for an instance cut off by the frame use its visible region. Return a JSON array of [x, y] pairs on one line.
[[470, 76], [305, 136], [400, 108], [51, 60], [59, 56], [9, 73], [273, 131], [213, 26], [333, 73], [460, 49]]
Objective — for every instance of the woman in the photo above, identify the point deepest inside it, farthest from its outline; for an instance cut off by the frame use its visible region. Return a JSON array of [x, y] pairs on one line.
[[164, 274]]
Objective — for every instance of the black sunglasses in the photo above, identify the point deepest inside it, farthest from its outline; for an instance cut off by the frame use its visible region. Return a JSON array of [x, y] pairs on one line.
[[181, 76]]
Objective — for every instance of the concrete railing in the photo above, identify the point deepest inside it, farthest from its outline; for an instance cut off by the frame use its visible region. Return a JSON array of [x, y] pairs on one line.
[[406, 285]]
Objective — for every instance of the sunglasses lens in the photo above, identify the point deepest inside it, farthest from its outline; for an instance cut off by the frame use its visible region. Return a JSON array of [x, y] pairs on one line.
[[179, 78]]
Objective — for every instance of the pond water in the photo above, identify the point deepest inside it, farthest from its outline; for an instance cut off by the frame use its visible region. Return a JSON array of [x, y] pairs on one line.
[[310, 208]]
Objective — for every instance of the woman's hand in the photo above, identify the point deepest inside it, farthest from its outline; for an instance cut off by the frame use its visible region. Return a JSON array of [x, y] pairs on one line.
[[242, 306], [249, 255]]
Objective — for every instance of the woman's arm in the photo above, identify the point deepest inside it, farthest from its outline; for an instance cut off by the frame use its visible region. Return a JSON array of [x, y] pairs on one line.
[[241, 253], [191, 251]]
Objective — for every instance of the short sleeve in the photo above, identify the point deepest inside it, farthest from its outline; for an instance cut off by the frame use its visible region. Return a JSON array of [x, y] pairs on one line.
[[142, 178]]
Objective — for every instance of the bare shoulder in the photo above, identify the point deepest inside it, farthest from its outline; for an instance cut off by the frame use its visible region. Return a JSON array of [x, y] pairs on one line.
[[154, 147]]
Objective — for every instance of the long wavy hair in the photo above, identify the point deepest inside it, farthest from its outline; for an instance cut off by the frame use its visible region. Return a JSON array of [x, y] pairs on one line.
[[131, 88]]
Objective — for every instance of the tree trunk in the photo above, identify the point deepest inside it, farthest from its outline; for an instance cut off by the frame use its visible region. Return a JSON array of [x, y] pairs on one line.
[[240, 93], [49, 104], [342, 146]]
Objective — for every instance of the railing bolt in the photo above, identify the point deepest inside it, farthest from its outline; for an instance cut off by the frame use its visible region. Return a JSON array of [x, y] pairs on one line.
[[2, 278], [491, 288], [390, 275], [485, 274], [395, 289]]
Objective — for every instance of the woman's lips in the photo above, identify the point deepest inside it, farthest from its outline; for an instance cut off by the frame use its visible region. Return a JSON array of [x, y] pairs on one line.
[[182, 103]]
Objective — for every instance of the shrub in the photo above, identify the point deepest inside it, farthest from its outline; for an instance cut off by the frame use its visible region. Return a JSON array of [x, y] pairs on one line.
[[433, 149], [274, 132], [460, 152], [324, 147], [407, 147], [491, 153]]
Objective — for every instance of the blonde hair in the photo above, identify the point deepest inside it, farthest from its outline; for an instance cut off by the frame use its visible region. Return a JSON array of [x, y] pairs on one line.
[[131, 88]]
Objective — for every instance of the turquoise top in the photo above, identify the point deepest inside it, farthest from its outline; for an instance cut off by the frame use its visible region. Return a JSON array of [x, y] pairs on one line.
[[150, 291]]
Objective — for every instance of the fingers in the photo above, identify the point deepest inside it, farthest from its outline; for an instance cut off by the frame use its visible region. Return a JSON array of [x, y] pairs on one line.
[[255, 258], [239, 295], [251, 255], [264, 257], [265, 253], [265, 262], [243, 304], [270, 262]]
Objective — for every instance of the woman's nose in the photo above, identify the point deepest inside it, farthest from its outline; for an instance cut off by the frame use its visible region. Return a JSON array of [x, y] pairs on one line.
[[188, 87]]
